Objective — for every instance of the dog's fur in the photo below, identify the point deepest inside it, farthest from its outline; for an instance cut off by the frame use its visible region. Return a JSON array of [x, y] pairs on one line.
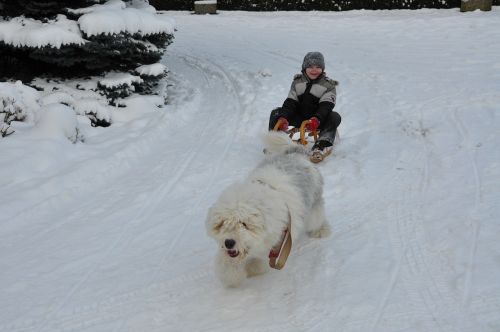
[[253, 214]]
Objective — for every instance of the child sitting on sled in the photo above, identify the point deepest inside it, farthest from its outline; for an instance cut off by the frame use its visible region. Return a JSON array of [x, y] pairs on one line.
[[312, 97]]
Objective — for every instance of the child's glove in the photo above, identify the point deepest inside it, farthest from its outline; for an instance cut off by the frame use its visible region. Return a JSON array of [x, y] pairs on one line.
[[313, 124], [284, 124]]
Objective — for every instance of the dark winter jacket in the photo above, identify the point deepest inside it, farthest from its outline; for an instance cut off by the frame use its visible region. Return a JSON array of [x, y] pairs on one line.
[[308, 98]]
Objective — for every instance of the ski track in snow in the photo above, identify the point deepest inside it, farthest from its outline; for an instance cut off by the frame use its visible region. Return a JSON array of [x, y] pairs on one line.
[[229, 140]]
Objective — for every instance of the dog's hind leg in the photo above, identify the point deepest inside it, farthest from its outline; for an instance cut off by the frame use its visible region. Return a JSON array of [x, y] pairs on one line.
[[317, 225], [256, 266]]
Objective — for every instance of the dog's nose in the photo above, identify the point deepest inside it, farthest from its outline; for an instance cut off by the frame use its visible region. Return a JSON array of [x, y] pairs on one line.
[[229, 243]]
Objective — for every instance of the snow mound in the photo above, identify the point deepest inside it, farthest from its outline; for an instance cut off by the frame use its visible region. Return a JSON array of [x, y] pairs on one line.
[[115, 79], [58, 121], [89, 107], [94, 108], [58, 97], [155, 69]]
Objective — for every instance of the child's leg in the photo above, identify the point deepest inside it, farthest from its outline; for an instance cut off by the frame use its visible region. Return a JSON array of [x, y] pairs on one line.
[[293, 120], [329, 128], [273, 117]]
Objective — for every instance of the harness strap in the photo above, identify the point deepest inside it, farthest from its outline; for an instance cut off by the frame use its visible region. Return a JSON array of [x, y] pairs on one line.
[[279, 253]]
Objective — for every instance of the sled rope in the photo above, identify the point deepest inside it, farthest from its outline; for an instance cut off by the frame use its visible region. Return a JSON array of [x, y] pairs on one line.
[[279, 253]]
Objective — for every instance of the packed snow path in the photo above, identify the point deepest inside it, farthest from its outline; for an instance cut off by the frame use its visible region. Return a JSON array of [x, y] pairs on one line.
[[115, 240]]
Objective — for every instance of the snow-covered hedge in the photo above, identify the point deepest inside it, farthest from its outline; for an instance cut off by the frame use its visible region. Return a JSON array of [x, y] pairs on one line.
[[334, 5], [327, 5]]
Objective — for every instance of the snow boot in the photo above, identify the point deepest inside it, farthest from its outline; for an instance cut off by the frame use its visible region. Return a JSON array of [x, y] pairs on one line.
[[320, 150]]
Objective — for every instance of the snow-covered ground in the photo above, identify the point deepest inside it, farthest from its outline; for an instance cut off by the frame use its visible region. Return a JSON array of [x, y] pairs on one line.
[[108, 235]]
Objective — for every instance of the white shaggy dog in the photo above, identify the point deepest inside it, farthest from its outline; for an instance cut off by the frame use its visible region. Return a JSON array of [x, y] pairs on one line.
[[249, 218]]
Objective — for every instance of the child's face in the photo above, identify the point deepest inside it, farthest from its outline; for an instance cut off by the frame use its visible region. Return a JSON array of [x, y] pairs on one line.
[[313, 72]]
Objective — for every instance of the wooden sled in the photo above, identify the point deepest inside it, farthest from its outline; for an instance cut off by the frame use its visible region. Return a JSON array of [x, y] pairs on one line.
[[304, 139], [304, 133]]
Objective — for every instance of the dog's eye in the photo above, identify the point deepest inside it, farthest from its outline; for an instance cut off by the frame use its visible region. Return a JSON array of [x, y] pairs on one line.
[[244, 225], [217, 227]]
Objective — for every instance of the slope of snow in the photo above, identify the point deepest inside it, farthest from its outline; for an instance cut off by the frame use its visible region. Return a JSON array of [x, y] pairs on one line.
[[108, 235]]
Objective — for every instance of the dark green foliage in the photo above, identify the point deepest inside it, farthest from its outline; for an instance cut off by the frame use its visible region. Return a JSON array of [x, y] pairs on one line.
[[326, 5], [173, 4], [119, 91], [41, 9]]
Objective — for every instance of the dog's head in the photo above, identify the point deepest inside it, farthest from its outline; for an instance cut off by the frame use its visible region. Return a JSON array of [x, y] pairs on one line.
[[237, 228]]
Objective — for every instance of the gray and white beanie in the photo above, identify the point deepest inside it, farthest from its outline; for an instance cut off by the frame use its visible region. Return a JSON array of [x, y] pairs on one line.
[[313, 59]]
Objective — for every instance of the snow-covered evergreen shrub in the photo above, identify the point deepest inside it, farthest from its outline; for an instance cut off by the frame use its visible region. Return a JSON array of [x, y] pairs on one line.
[[151, 75], [119, 85], [79, 38]]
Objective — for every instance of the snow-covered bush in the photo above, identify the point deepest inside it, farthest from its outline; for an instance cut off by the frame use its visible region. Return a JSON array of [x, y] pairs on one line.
[[95, 111], [118, 85], [80, 38], [17, 103], [151, 75], [63, 112]]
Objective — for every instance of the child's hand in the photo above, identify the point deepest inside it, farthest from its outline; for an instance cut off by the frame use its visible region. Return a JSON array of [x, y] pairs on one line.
[[313, 124], [283, 124]]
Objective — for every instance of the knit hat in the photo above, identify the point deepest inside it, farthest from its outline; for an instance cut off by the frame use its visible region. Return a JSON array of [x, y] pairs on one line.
[[313, 59]]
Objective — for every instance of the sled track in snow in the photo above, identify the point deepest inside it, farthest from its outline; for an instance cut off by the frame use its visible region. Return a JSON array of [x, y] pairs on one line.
[[420, 270], [127, 301], [476, 221], [194, 63]]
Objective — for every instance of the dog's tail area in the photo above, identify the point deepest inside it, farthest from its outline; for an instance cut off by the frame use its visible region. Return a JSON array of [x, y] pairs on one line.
[[276, 142]]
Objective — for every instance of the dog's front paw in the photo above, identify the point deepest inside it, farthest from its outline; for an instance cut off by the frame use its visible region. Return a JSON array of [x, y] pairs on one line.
[[256, 267], [323, 231]]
